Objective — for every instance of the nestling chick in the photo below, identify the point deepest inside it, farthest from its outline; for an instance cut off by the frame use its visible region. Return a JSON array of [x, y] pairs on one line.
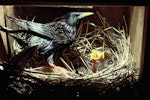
[[97, 58]]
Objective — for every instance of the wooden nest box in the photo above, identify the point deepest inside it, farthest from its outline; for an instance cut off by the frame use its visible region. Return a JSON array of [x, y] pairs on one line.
[[133, 18]]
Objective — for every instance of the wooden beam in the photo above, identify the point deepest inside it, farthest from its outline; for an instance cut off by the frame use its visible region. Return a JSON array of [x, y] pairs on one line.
[[136, 30], [2, 23]]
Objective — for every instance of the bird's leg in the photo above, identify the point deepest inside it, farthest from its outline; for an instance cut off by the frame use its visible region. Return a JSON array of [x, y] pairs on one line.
[[56, 68], [60, 69]]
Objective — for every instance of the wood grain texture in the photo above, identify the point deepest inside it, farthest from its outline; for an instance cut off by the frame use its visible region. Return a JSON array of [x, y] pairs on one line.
[[2, 23], [136, 30]]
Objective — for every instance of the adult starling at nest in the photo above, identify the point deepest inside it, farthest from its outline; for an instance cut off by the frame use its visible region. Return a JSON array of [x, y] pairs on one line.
[[60, 32]]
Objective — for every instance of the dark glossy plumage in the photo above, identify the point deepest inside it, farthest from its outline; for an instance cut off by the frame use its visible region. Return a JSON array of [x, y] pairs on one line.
[[60, 32]]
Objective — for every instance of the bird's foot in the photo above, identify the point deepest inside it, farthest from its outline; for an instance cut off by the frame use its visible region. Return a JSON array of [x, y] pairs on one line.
[[60, 69]]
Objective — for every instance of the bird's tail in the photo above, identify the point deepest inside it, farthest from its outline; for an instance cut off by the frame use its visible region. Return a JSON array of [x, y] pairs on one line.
[[20, 22]]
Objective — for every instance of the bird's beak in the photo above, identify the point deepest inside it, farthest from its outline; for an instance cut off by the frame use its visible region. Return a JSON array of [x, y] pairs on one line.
[[84, 14], [95, 55]]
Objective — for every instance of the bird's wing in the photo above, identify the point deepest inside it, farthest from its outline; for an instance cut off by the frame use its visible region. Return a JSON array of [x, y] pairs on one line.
[[53, 30], [21, 41], [28, 25], [19, 22], [38, 27]]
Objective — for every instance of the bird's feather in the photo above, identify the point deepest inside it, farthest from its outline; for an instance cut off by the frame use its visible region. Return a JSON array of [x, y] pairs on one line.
[[19, 22]]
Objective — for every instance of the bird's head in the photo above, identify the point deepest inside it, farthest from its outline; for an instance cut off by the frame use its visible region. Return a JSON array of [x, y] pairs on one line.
[[96, 55], [73, 18]]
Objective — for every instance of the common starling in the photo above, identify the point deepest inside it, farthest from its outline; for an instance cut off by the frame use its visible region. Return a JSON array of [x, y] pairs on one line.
[[60, 32]]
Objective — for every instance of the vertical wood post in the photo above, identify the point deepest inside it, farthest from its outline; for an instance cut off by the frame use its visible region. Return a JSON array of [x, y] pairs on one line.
[[9, 10], [136, 30], [2, 23]]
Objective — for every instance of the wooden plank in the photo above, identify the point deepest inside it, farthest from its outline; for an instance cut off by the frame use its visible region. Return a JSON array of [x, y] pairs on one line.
[[9, 10], [3, 55], [136, 30], [2, 23]]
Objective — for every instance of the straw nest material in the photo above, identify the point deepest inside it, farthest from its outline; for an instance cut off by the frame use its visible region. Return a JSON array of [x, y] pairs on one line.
[[117, 65]]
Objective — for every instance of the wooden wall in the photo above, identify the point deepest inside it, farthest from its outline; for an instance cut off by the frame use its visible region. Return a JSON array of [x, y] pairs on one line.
[[10, 10], [137, 29]]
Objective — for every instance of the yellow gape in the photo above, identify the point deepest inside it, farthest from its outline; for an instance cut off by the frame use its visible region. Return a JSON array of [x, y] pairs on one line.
[[96, 55]]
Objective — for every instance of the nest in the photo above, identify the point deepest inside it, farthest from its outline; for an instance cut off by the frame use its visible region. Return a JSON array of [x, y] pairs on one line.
[[117, 65]]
